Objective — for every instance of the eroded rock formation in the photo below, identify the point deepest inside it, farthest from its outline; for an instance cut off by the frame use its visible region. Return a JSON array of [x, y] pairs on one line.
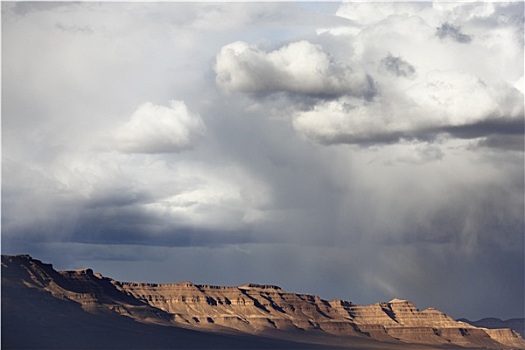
[[256, 309]]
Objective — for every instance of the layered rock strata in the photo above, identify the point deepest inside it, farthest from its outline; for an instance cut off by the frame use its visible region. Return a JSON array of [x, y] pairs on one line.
[[260, 308], [255, 309], [516, 324]]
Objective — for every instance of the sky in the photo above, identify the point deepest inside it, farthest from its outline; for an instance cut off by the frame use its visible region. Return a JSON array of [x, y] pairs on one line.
[[357, 151]]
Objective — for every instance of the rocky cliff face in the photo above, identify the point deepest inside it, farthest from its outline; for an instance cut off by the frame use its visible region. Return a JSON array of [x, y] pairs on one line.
[[516, 324], [256, 309], [262, 308], [92, 291]]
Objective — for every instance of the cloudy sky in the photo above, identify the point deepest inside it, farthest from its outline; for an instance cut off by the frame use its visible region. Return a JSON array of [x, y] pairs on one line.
[[355, 151]]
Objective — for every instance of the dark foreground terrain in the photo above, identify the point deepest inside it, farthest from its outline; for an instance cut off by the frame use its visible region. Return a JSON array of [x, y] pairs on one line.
[[47, 309]]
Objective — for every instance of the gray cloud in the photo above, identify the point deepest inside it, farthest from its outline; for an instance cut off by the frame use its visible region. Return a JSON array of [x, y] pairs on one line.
[[423, 108], [422, 112], [448, 30], [504, 142], [23, 8], [299, 67], [398, 67], [503, 133], [489, 127]]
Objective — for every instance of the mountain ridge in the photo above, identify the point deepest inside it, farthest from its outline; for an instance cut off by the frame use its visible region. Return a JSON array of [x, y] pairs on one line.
[[516, 324], [260, 310]]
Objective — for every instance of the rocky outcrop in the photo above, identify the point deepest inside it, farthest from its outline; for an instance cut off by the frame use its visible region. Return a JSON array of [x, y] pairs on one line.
[[92, 291], [516, 324], [400, 319], [250, 308], [506, 336], [256, 309]]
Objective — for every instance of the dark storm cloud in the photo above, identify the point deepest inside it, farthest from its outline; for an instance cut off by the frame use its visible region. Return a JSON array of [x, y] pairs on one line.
[[117, 198], [424, 274], [500, 133], [476, 223], [448, 30], [516, 142], [133, 227], [504, 133], [119, 223], [488, 127]]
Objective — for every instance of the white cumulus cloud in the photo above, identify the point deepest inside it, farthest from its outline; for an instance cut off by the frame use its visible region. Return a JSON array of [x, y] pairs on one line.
[[299, 67], [438, 103], [438, 69], [159, 129]]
